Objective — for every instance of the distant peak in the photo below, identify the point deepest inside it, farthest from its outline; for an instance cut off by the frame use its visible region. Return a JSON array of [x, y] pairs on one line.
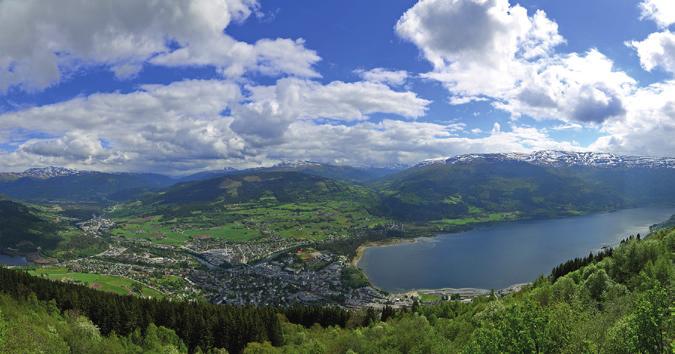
[[49, 172], [558, 158], [297, 164]]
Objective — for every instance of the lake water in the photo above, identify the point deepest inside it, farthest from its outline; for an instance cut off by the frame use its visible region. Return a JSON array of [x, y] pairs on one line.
[[12, 261], [497, 256]]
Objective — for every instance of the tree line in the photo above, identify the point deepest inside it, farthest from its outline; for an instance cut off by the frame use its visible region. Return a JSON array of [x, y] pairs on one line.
[[580, 262], [199, 325]]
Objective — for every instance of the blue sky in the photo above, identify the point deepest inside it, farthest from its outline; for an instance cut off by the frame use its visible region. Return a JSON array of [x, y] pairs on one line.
[[246, 83]]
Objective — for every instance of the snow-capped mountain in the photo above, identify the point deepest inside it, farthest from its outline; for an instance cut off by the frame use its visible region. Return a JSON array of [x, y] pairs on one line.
[[562, 159], [297, 164], [49, 172]]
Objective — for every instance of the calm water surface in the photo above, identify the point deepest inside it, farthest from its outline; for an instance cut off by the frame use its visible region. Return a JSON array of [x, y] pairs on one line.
[[501, 255], [12, 261]]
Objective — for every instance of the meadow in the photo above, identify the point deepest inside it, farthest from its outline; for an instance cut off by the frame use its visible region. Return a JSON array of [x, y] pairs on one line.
[[110, 283]]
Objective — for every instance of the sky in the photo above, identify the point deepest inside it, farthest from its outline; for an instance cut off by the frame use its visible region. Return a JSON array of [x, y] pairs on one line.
[[175, 87]]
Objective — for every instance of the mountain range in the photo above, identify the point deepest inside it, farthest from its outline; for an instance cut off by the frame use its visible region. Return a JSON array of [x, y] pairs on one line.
[[66, 185], [540, 184], [563, 159]]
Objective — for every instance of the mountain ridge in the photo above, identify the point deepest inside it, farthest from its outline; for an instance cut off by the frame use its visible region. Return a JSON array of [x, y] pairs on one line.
[[553, 158], [559, 158]]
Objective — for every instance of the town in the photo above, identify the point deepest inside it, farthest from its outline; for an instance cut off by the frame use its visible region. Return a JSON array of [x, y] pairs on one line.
[[271, 271]]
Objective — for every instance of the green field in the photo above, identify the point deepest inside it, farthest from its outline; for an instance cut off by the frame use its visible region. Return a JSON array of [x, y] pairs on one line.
[[240, 208], [250, 221], [179, 231], [430, 297], [109, 283], [492, 217]]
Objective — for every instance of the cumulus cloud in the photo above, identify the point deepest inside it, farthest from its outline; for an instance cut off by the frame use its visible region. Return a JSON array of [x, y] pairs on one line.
[[273, 108], [189, 124], [582, 88], [405, 142], [194, 125], [73, 145], [480, 50], [488, 49], [381, 75], [40, 41], [648, 126], [656, 51], [660, 11], [156, 127], [450, 31]]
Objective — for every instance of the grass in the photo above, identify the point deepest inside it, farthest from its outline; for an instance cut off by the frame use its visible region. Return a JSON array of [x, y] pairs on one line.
[[430, 297], [244, 222], [354, 277], [177, 232], [492, 217], [109, 283]]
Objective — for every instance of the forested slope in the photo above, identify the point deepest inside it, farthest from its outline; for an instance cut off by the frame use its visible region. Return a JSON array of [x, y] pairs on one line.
[[618, 303], [485, 186]]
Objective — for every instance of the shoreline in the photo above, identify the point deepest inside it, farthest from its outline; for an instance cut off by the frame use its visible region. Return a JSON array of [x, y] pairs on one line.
[[464, 292], [394, 241], [462, 228], [468, 227]]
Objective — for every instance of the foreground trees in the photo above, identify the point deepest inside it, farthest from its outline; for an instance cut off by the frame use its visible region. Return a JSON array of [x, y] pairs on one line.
[[616, 303], [620, 303]]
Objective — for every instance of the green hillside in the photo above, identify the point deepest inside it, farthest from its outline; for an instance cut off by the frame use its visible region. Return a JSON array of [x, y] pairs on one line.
[[85, 187], [485, 189], [282, 187], [110, 283], [42, 231], [619, 303], [24, 228], [248, 206], [345, 173], [29, 326]]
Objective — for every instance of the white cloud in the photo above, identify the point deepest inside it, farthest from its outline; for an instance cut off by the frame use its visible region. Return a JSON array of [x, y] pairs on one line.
[[657, 50], [381, 75], [273, 108], [42, 40], [567, 126], [487, 49], [406, 142], [487, 31], [573, 87], [648, 127], [73, 145], [181, 126], [660, 11], [158, 127]]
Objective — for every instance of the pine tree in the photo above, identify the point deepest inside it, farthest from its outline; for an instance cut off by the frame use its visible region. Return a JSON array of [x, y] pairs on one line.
[[3, 330]]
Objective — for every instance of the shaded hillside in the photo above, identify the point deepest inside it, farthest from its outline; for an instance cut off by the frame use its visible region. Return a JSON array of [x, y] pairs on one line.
[[477, 187], [243, 207], [636, 186], [345, 173], [200, 176], [89, 187], [619, 304], [41, 231], [282, 187], [342, 172], [23, 228]]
